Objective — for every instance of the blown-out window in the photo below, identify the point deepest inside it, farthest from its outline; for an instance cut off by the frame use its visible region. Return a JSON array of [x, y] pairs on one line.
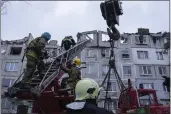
[[15, 50]]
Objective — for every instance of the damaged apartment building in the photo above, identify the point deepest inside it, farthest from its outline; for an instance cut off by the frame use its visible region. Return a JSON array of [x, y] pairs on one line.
[[12, 65], [142, 57]]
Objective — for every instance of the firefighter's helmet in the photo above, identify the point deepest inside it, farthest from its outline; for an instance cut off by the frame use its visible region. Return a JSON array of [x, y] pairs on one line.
[[77, 62], [46, 35], [87, 89]]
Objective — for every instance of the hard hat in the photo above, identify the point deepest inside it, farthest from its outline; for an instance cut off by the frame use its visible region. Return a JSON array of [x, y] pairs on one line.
[[87, 89], [46, 35], [77, 61]]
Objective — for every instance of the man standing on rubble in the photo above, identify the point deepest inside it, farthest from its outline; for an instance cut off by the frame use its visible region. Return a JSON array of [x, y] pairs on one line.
[[67, 42], [87, 92], [35, 54], [73, 72]]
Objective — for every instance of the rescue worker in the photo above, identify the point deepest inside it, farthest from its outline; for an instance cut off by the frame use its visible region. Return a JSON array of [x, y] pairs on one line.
[[73, 72], [67, 42], [87, 92], [35, 54]]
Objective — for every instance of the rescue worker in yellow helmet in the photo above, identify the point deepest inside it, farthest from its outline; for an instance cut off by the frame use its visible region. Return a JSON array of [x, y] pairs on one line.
[[73, 71], [86, 92], [67, 42]]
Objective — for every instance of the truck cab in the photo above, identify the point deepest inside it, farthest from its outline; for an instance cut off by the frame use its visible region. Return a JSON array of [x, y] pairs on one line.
[[140, 101]]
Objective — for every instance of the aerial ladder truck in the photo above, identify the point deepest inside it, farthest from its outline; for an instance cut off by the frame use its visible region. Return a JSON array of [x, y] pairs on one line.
[[47, 96], [46, 92]]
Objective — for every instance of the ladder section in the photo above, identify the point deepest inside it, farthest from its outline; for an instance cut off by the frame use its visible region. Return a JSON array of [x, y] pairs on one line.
[[54, 68]]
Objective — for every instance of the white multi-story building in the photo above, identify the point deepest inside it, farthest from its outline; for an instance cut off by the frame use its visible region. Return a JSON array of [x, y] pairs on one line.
[[144, 63]]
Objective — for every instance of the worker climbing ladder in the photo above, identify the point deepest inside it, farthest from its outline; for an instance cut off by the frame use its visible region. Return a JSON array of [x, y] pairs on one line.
[[62, 58], [52, 70]]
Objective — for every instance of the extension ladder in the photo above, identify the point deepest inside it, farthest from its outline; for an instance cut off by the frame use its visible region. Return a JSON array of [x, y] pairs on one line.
[[53, 70]]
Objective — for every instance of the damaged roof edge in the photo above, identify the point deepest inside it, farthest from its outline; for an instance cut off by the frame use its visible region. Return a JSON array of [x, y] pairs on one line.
[[19, 41], [26, 40], [30, 35]]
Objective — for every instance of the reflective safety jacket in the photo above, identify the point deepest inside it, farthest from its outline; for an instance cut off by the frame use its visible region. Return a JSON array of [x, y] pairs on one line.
[[35, 47], [73, 72]]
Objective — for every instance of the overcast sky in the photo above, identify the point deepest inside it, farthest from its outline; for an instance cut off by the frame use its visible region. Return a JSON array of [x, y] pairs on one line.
[[62, 18]]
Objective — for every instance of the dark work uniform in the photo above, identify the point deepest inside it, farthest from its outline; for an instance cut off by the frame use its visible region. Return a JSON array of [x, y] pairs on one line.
[[87, 109], [67, 42]]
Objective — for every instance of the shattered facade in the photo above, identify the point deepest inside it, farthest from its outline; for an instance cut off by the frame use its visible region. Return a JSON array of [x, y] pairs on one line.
[[143, 58], [140, 56], [12, 66]]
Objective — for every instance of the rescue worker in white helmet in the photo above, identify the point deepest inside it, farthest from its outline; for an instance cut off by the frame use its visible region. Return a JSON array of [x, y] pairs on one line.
[[87, 92], [73, 71]]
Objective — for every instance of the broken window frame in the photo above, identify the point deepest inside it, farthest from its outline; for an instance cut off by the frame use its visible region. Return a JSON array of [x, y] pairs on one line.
[[11, 51], [105, 36], [159, 55], [158, 42], [137, 41], [125, 40], [91, 35], [166, 39]]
